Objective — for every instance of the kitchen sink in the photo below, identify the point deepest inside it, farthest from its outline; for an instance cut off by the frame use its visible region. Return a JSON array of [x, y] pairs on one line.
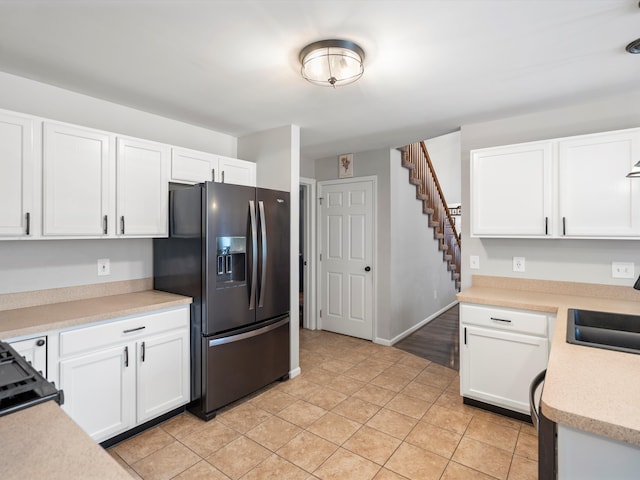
[[613, 331]]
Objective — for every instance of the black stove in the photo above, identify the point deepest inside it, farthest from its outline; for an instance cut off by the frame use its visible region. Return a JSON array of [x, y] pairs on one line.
[[21, 386]]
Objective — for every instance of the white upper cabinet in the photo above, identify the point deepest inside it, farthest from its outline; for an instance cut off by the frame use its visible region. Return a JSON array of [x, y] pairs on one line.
[[16, 175], [76, 180], [573, 187], [191, 166], [511, 191], [595, 197], [142, 188], [238, 172]]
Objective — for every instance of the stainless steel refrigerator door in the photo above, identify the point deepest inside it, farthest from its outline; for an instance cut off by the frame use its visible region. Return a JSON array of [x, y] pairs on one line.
[[227, 223], [272, 295], [245, 362]]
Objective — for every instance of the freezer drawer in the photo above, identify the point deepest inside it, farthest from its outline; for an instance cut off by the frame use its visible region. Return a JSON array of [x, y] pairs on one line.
[[241, 364]]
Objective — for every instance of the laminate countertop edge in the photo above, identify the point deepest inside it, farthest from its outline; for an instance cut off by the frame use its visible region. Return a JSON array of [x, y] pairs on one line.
[[26, 321], [43, 442], [590, 389]]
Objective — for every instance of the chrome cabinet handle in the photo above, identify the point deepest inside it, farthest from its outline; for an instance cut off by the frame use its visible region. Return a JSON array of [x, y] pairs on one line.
[[564, 225], [501, 320], [213, 174], [104, 224], [222, 176], [126, 356], [143, 351], [546, 225], [122, 224], [28, 221]]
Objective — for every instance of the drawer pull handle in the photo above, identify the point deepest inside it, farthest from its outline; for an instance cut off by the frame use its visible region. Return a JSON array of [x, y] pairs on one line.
[[500, 320], [126, 356], [134, 329]]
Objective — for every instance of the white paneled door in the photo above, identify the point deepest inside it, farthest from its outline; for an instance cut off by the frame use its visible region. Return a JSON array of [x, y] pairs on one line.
[[346, 216]]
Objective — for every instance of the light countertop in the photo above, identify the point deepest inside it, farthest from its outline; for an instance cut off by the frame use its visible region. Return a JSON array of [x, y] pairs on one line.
[[42, 318], [43, 442], [587, 388]]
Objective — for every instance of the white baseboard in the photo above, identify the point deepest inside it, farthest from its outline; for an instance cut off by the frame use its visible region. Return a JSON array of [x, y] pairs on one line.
[[295, 372], [408, 332]]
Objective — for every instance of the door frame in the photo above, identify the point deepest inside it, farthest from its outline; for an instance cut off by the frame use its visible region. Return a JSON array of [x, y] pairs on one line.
[[374, 248], [309, 310]]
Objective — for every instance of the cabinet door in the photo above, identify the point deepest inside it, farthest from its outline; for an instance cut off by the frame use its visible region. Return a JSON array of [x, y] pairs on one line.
[[34, 350], [191, 166], [75, 180], [511, 194], [99, 391], [163, 374], [238, 172], [497, 367], [142, 188], [595, 197], [16, 174]]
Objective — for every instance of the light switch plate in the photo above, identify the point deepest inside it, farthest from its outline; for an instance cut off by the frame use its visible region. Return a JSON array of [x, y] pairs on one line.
[[474, 262]]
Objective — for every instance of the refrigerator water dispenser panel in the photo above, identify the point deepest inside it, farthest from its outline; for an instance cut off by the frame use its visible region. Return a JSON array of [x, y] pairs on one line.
[[231, 261]]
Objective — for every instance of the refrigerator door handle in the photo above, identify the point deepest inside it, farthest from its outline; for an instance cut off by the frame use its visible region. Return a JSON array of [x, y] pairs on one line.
[[254, 254], [263, 231], [252, 333]]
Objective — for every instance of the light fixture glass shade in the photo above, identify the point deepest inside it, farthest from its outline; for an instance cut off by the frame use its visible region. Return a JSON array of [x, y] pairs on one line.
[[635, 172], [332, 63]]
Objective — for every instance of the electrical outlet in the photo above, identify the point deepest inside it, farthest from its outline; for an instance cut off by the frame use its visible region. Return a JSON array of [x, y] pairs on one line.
[[474, 262], [622, 270], [104, 267], [518, 264]]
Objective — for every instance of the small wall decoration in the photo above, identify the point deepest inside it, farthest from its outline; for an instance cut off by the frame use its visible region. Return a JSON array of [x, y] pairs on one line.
[[345, 166]]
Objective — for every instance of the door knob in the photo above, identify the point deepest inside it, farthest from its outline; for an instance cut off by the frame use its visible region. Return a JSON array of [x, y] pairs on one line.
[[367, 268]]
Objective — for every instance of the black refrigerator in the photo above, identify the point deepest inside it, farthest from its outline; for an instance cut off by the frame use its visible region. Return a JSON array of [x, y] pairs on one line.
[[228, 248]]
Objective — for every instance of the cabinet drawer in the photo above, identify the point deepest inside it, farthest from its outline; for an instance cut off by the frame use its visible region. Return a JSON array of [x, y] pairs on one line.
[[123, 330], [505, 319]]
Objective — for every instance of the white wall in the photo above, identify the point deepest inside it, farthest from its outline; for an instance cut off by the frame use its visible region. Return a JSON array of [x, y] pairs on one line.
[[42, 264], [276, 153], [39, 265], [444, 152], [420, 283], [569, 260]]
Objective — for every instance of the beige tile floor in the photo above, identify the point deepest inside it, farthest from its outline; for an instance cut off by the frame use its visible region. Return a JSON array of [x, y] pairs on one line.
[[358, 411]]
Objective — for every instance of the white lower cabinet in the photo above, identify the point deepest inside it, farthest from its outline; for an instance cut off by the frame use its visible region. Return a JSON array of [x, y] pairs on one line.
[[587, 456], [501, 351], [34, 350], [163, 374], [99, 392], [120, 374]]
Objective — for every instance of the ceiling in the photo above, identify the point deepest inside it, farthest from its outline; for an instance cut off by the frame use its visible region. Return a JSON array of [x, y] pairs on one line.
[[232, 66]]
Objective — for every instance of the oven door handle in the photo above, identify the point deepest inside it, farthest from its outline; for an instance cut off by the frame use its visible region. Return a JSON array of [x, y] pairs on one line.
[[535, 409]]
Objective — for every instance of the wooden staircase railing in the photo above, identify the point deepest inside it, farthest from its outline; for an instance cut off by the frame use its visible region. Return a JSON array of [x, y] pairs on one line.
[[422, 174]]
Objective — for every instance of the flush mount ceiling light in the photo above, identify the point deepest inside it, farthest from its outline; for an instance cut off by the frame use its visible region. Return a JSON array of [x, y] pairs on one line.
[[332, 63], [633, 47], [635, 172]]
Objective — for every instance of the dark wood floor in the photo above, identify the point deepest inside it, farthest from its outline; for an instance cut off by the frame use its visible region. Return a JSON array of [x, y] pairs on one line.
[[437, 341]]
